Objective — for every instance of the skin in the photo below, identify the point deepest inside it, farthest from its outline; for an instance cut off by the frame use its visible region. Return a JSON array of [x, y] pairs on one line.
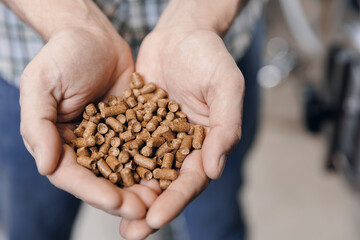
[[85, 60]]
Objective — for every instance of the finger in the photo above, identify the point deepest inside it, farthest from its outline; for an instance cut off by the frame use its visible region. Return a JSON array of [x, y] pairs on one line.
[[153, 184], [98, 192], [190, 183], [146, 194], [135, 229], [225, 102], [38, 117]]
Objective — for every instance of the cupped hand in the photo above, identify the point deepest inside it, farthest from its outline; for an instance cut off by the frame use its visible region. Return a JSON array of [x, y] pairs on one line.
[[75, 67], [197, 71]]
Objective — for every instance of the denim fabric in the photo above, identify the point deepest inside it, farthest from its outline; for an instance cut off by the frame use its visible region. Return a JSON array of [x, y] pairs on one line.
[[30, 207]]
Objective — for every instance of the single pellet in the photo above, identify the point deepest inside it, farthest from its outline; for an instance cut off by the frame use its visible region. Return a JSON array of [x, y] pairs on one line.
[[144, 161], [166, 174], [104, 169], [179, 126], [166, 122], [104, 148], [113, 163], [170, 116], [144, 173], [87, 162], [99, 139], [137, 178], [137, 93], [148, 88], [161, 112], [136, 80], [146, 151], [162, 103], [167, 161], [128, 93], [178, 164], [179, 157], [159, 93], [90, 110], [135, 126], [121, 118], [115, 142], [136, 143], [186, 145], [114, 124], [131, 102], [155, 141], [90, 129], [124, 157], [198, 137], [113, 110], [127, 136], [173, 106], [164, 184], [145, 97], [127, 177], [167, 133], [181, 135], [115, 178], [110, 134], [130, 115], [102, 128], [139, 115], [157, 132], [83, 152], [112, 100], [180, 114], [147, 116], [165, 148], [152, 124], [175, 143], [114, 151], [84, 142]]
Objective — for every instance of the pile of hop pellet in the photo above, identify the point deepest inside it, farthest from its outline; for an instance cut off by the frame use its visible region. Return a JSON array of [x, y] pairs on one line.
[[144, 135]]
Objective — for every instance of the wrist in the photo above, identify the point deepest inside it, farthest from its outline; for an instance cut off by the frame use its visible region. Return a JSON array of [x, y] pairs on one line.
[[211, 15], [51, 16]]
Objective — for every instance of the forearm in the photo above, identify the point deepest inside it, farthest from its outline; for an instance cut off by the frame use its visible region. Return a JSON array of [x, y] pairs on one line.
[[207, 14], [49, 16]]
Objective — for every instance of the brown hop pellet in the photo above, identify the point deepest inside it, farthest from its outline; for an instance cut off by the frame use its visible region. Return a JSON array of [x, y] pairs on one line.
[[142, 135]]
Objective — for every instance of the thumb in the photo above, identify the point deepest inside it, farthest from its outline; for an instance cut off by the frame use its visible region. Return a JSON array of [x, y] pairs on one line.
[[38, 118], [226, 99]]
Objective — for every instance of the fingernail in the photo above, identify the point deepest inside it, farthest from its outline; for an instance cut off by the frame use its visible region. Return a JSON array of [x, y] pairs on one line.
[[221, 165]]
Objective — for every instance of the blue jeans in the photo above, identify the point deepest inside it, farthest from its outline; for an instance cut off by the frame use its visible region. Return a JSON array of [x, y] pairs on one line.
[[31, 208]]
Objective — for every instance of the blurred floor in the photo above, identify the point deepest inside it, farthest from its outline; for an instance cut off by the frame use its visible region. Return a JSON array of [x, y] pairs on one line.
[[289, 194]]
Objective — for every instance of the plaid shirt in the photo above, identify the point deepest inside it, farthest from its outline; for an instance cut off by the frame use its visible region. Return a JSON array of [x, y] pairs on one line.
[[133, 19]]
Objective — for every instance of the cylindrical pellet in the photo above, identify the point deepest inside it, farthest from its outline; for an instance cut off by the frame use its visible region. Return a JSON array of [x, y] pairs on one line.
[[165, 148], [121, 118], [146, 151], [198, 137], [162, 103], [152, 125], [115, 142], [166, 174], [90, 110], [147, 116], [131, 102], [127, 177], [166, 122], [161, 112], [159, 93], [178, 164], [85, 116], [102, 128], [167, 133], [175, 143], [144, 173], [112, 100], [113, 110], [127, 136], [167, 161], [136, 126], [186, 145], [136, 143], [173, 106], [128, 93], [170, 116], [155, 141], [139, 115], [131, 165], [79, 131], [113, 163], [181, 135], [158, 132], [101, 105], [115, 178], [124, 157], [148, 88], [114, 124], [104, 169], [144, 161], [130, 115], [99, 139], [136, 80], [164, 184], [114, 151], [82, 152], [87, 162], [179, 126], [137, 178], [145, 97], [180, 114], [179, 157], [84, 142], [106, 145], [150, 107]]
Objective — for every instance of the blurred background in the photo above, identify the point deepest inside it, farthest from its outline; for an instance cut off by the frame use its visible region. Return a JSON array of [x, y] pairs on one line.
[[302, 175]]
